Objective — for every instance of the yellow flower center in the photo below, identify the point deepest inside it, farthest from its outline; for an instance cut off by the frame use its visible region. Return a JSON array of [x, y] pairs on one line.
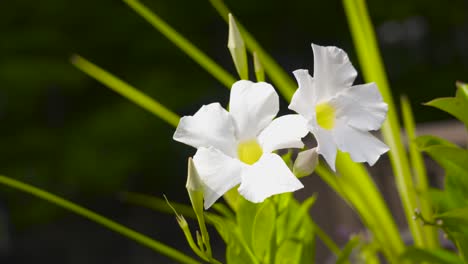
[[249, 151], [325, 115]]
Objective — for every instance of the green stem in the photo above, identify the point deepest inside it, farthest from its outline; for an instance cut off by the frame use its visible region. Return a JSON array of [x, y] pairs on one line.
[[125, 90], [372, 66], [116, 227], [419, 171], [329, 243], [191, 50]]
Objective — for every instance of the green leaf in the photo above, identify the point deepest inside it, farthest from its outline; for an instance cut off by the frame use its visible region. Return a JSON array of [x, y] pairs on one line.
[[301, 213], [455, 217], [236, 255], [258, 67], [263, 230], [343, 257], [289, 252], [419, 173], [454, 160], [237, 250], [182, 43], [456, 106], [427, 141], [101, 220], [125, 90], [246, 213], [436, 256]]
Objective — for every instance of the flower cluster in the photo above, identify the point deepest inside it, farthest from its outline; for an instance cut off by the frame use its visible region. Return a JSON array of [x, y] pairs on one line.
[[236, 147]]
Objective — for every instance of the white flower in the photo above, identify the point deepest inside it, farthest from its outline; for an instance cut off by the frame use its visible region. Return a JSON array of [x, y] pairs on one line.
[[236, 147], [339, 114]]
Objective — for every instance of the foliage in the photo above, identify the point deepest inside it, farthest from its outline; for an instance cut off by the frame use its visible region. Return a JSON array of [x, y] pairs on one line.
[[280, 229]]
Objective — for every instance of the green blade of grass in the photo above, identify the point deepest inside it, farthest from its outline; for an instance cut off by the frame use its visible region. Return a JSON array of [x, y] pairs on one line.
[[125, 90], [185, 45], [369, 204], [114, 226], [419, 171], [372, 66]]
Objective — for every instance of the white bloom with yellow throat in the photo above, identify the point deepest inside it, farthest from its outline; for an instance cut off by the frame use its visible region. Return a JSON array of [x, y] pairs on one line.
[[339, 114], [236, 147]]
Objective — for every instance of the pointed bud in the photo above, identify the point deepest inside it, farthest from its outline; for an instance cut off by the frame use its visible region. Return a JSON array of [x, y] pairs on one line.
[[259, 71], [462, 90], [305, 163], [194, 182], [237, 48], [194, 187]]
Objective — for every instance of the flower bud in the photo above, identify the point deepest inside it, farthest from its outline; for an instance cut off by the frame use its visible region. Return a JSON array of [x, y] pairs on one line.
[[237, 48], [305, 162]]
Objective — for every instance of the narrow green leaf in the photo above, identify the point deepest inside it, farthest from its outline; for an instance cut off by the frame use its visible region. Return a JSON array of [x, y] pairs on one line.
[[101, 220], [125, 90], [259, 70], [434, 256], [425, 142], [197, 249], [157, 204], [356, 187], [419, 171], [368, 53], [186, 46], [347, 250]]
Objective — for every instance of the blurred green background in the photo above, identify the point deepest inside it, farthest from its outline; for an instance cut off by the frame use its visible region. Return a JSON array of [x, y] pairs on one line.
[[66, 133]]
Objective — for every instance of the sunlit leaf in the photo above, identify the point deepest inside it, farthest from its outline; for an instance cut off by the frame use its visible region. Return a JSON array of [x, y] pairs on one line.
[[289, 252], [263, 230], [436, 256], [245, 217], [456, 106]]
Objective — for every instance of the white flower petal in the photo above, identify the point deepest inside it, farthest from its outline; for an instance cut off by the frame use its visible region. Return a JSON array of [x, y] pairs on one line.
[[325, 145], [303, 100], [333, 72], [253, 106], [361, 145], [218, 172], [267, 177], [283, 132], [361, 106], [211, 126]]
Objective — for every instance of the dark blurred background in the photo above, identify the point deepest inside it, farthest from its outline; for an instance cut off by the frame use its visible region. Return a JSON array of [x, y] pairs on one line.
[[66, 133]]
